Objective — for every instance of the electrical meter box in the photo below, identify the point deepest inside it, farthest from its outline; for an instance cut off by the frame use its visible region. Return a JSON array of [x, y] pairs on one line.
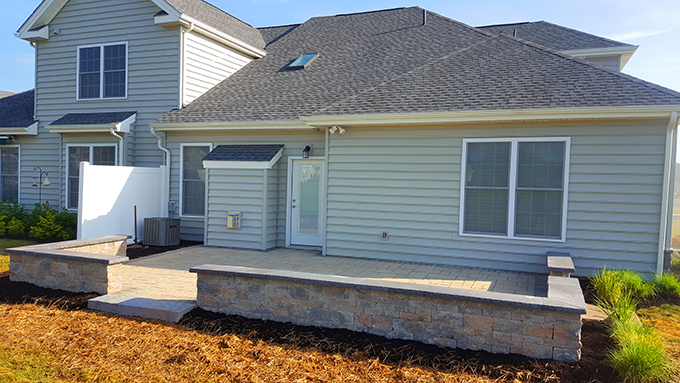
[[234, 219]]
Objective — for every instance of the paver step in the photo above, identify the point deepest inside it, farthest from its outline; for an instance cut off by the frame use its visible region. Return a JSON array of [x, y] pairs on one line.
[[170, 310]]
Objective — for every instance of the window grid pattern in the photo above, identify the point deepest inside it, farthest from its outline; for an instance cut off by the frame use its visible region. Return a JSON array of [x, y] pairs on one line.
[[530, 172], [540, 178], [96, 155], [102, 72], [193, 180], [114, 71], [89, 67], [486, 189], [9, 174]]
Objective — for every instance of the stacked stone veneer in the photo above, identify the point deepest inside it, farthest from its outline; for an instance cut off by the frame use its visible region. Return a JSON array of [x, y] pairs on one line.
[[540, 327], [88, 265]]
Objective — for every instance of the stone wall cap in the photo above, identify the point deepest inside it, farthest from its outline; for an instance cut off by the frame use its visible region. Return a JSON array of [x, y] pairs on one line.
[[61, 250], [477, 296], [560, 262]]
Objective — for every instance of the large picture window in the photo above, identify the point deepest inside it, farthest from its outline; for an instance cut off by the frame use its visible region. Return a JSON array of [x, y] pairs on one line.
[[102, 71], [193, 179], [9, 173], [95, 155], [515, 187]]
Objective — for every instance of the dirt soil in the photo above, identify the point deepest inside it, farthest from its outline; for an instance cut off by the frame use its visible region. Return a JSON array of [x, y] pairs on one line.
[[361, 346], [141, 250]]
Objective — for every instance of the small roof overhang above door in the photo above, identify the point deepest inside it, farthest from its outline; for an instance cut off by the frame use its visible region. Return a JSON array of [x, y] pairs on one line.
[[243, 157], [30, 130], [93, 122]]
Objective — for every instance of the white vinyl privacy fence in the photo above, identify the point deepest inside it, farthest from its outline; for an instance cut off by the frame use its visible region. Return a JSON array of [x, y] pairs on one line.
[[108, 196]]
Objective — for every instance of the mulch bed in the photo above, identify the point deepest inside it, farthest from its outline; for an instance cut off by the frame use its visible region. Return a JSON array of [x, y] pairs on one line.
[[141, 250], [364, 346]]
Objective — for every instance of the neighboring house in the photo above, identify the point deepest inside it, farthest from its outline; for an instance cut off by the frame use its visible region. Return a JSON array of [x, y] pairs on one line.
[[396, 134]]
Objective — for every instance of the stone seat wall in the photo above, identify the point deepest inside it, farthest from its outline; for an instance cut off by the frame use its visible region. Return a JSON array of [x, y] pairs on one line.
[[541, 327], [89, 266]]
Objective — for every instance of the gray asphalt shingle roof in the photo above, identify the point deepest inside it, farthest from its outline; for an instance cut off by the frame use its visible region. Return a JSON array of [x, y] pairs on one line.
[[257, 153], [553, 36], [16, 110], [389, 62], [93, 118], [220, 20]]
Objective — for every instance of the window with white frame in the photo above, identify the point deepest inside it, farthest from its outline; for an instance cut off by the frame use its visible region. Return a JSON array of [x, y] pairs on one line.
[[95, 155], [193, 179], [102, 71], [515, 187], [9, 173]]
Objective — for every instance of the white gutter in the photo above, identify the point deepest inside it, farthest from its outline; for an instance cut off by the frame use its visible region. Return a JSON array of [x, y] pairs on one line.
[[613, 113], [665, 198], [121, 156], [166, 192]]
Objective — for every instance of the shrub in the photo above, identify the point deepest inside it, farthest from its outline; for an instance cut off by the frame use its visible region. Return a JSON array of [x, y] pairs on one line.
[[69, 221], [667, 285], [47, 227], [15, 227]]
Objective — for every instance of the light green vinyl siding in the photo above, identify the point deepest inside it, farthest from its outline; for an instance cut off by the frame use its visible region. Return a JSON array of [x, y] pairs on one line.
[[407, 182], [293, 141], [206, 64], [153, 70]]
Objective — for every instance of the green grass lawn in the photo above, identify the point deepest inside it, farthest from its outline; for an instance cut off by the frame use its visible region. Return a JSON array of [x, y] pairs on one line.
[[28, 367], [8, 243]]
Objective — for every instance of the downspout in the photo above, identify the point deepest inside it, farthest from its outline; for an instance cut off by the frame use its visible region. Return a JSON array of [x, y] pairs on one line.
[[325, 186], [182, 55], [35, 82], [121, 157], [666, 195], [167, 162]]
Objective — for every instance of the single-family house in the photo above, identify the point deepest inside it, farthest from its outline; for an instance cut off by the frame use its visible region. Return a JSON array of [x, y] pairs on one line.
[[397, 134]]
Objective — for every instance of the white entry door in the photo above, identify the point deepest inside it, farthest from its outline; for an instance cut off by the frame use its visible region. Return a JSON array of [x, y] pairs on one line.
[[306, 205]]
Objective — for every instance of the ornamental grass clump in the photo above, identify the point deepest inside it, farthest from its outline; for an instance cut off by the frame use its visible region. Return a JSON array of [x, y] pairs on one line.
[[667, 285], [639, 355]]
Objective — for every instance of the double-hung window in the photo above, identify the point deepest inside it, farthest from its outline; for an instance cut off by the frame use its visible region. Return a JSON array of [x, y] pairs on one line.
[[102, 71], [193, 179], [515, 187], [95, 155], [9, 173]]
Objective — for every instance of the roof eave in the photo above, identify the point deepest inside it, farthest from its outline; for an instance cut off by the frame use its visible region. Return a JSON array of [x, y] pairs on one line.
[[231, 126], [120, 127], [626, 52], [589, 113], [210, 32], [31, 130]]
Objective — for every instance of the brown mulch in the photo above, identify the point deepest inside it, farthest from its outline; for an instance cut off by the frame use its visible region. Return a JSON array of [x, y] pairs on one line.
[[205, 346], [141, 250]]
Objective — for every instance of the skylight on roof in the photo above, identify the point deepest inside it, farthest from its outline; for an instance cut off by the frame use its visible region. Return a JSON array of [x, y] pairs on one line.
[[303, 61]]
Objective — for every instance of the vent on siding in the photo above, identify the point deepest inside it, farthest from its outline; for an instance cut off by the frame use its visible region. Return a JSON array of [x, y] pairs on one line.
[[159, 231]]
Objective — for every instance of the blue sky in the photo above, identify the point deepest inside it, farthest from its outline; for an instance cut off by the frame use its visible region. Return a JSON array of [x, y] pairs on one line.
[[654, 25]]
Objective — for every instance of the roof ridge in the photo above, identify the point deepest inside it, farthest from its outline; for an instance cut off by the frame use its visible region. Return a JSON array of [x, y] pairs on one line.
[[576, 30], [507, 24], [625, 76], [392, 79], [362, 13], [280, 26], [485, 33], [225, 12]]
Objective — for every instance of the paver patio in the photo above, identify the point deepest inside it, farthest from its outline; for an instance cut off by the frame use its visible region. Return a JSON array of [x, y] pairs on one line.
[[166, 275]]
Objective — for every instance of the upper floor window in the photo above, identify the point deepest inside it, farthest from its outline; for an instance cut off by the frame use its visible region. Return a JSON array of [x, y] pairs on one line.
[[102, 71], [515, 188]]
